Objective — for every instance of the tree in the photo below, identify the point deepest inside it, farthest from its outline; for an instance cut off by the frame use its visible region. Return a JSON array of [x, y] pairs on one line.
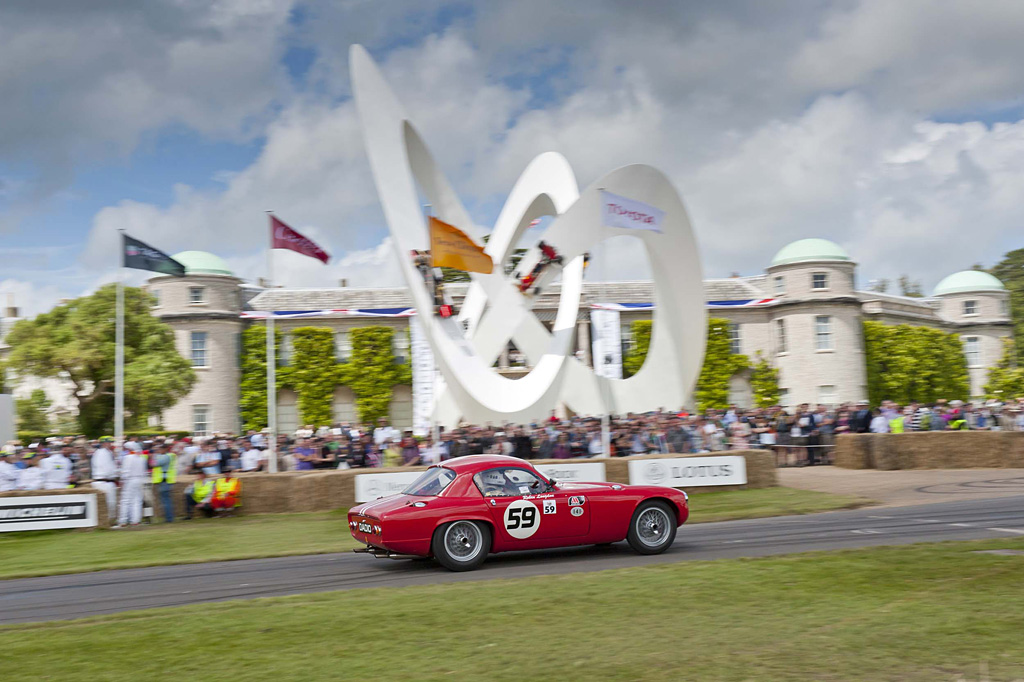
[[33, 412], [764, 380], [635, 356], [906, 363], [1006, 379], [879, 285], [720, 364], [909, 287], [75, 341], [253, 388], [1010, 271], [372, 372]]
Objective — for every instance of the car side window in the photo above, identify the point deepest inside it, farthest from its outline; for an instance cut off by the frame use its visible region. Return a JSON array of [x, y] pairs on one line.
[[508, 482]]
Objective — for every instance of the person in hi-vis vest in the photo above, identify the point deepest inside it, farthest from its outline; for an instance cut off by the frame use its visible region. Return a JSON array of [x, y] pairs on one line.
[[226, 491], [199, 496], [165, 473]]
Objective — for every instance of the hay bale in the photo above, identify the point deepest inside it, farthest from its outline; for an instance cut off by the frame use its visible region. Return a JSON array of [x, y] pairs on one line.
[[851, 451]]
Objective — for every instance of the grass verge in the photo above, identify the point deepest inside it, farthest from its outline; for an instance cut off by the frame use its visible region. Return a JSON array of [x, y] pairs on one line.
[[925, 612], [248, 537]]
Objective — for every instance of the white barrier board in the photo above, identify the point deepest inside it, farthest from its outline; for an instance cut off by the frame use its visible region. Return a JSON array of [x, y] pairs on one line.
[[371, 486], [45, 512], [689, 472]]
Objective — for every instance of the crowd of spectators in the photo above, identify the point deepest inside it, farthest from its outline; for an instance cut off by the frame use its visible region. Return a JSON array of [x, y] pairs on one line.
[[799, 436]]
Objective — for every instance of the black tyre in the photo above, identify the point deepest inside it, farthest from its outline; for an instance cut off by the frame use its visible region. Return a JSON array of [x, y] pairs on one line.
[[461, 545], [653, 528]]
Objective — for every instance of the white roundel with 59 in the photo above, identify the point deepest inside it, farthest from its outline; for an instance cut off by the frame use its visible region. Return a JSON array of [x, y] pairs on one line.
[[522, 519]]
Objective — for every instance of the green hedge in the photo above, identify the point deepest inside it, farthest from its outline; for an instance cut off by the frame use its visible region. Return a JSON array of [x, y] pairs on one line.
[[36, 436], [906, 363]]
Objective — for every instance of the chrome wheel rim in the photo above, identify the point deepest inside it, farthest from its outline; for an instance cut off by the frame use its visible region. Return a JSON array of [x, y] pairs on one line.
[[463, 541], [652, 527]]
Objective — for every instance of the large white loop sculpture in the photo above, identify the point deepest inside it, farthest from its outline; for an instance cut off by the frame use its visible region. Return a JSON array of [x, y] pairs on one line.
[[495, 311]]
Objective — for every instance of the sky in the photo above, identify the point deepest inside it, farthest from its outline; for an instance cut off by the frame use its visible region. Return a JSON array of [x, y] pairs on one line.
[[895, 129]]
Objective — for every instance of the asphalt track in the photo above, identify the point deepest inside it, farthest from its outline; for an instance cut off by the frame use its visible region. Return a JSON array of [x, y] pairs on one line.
[[89, 594]]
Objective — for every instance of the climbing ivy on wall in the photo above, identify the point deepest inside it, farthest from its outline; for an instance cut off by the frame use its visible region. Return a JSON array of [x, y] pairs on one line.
[[372, 372], [253, 388], [313, 373], [720, 363], [635, 356], [907, 363], [764, 381]]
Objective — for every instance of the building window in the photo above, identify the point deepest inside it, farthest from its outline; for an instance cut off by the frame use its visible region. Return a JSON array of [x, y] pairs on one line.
[[819, 280], [1004, 307], [827, 395], [823, 332], [784, 397], [734, 338], [201, 420], [780, 285], [970, 307], [626, 334], [343, 346], [972, 351], [780, 329], [400, 346], [156, 297], [197, 294], [199, 349]]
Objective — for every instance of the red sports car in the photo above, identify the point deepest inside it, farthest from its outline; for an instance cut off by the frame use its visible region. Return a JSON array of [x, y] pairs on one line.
[[459, 511]]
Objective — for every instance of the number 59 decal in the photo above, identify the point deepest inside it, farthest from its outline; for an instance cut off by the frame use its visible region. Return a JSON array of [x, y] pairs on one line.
[[522, 519]]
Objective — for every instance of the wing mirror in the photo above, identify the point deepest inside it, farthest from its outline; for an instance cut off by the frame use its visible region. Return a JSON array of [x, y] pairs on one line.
[[551, 483]]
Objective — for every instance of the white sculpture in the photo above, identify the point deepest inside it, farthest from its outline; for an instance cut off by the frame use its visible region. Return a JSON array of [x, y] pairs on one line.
[[495, 311]]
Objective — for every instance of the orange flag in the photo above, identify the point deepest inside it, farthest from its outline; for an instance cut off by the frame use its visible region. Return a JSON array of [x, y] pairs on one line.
[[450, 247]]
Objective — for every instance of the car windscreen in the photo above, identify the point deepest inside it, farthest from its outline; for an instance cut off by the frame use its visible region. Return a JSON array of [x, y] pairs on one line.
[[432, 482]]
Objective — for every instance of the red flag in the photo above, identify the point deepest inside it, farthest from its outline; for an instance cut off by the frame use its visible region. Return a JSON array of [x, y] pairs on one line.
[[284, 237]]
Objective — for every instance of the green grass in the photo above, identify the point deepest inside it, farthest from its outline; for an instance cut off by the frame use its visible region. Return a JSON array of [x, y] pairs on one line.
[[920, 613], [247, 537]]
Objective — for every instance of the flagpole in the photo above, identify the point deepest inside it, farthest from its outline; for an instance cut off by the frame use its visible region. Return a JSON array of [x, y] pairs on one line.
[[271, 363], [119, 354]]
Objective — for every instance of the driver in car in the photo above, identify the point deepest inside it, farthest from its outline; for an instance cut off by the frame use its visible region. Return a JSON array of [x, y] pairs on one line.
[[495, 485]]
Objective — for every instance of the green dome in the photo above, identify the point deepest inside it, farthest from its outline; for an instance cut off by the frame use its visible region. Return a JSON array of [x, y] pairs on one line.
[[202, 263], [806, 250], [967, 280]]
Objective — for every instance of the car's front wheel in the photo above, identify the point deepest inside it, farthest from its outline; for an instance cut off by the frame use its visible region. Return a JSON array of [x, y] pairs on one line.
[[653, 528], [461, 545]]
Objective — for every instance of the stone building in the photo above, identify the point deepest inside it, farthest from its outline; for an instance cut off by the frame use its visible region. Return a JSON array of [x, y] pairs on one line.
[[803, 314]]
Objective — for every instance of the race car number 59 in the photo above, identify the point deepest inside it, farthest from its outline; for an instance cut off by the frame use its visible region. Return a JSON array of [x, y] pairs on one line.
[[522, 519]]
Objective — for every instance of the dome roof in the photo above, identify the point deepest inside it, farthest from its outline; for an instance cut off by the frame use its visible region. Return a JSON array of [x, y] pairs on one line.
[[967, 280], [805, 250], [202, 263]]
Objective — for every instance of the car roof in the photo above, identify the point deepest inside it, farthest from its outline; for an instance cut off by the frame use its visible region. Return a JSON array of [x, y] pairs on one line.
[[471, 464]]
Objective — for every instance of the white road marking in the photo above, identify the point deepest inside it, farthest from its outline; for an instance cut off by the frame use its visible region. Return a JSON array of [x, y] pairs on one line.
[[1017, 531], [866, 531], [879, 517], [962, 525]]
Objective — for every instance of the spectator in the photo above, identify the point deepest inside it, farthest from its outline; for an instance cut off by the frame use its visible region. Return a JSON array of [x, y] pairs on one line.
[[9, 474], [57, 469], [32, 477], [879, 424], [208, 459], [227, 492], [165, 471], [199, 495], [253, 459]]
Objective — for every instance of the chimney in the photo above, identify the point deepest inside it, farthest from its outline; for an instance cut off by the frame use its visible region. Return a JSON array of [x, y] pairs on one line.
[[343, 283]]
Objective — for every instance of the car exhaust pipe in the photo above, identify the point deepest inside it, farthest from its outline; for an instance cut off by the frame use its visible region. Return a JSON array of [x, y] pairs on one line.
[[379, 553]]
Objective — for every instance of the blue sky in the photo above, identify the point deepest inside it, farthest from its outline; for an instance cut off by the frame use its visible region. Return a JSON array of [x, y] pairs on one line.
[[891, 128]]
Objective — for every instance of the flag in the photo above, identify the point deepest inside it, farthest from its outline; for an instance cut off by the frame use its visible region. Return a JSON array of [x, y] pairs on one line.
[[284, 237], [450, 247], [136, 254]]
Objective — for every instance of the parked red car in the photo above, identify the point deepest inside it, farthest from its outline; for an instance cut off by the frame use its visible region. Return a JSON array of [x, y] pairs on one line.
[[460, 511]]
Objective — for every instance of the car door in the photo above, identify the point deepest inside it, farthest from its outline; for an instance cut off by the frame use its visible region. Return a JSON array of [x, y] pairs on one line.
[[526, 512]]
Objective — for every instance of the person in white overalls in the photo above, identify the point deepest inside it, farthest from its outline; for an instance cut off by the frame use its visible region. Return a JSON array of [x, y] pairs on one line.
[[133, 478], [9, 474], [104, 476]]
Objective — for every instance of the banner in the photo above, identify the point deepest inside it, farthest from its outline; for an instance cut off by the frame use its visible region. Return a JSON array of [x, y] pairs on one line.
[[284, 237], [629, 214], [371, 486], [142, 256], [575, 472], [689, 472], [46, 512], [424, 379], [450, 247], [607, 344]]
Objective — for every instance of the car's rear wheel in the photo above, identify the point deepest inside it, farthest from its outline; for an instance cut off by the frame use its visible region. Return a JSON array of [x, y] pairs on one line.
[[461, 545], [653, 528]]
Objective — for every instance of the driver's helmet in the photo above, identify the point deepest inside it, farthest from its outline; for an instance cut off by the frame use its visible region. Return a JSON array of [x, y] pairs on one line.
[[493, 482]]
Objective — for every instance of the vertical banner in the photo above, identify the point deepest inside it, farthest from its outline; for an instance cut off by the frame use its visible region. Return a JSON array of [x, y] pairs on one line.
[[423, 378], [7, 431], [607, 346]]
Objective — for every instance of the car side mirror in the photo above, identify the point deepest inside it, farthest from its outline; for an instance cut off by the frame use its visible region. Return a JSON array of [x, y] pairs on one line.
[[551, 483]]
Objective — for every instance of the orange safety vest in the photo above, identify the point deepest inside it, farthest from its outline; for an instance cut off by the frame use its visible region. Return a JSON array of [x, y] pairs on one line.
[[228, 487]]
